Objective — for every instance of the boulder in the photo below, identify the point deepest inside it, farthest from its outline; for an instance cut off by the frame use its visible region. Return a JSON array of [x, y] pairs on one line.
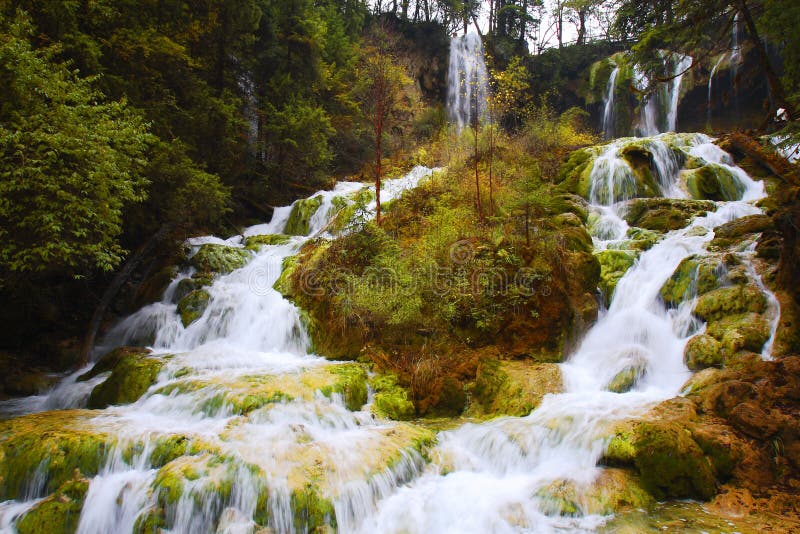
[[696, 275], [391, 400], [192, 306], [514, 387], [222, 259], [255, 242], [702, 351], [746, 331], [712, 182], [58, 513], [613, 266], [730, 300], [626, 379], [664, 214], [299, 218], [749, 224], [132, 373]]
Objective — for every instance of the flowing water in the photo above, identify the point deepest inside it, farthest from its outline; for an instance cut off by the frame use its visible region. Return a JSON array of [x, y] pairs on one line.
[[710, 83], [467, 81], [608, 105], [487, 477], [659, 110]]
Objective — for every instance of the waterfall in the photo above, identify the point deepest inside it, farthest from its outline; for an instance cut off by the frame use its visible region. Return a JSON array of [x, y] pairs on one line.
[[710, 82], [608, 105], [659, 109], [467, 80]]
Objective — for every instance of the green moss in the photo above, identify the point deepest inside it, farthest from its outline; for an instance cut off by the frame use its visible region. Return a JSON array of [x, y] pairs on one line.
[[255, 242], [702, 351], [574, 175], [730, 300], [626, 379], [620, 450], [695, 275], [614, 489], [59, 513], [131, 376], [746, 331], [391, 400], [713, 182], [350, 210], [58, 442], [187, 285], [208, 473], [613, 266], [311, 511], [213, 258], [514, 387], [664, 214], [301, 214], [642, 239], [671, 463], [283, 284], [351, 383], [192, 306]]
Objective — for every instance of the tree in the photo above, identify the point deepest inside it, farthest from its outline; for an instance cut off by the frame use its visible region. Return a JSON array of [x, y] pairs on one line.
[[71, 163], [382, 98]]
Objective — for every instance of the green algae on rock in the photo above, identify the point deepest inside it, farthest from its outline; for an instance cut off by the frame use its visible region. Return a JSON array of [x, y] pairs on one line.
[[192, 306], [132, 374], [613, 266], [612, 491], [664, 214], [712, 182], [391, 400], [514, 387], [299, 218], [58, 513], [730, 300], [221, 259], [695, 275], [255, 242], [702, 351], [60, 442]]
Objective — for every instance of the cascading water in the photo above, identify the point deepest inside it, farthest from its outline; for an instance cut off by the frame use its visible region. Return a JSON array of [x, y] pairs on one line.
[[710, 84], [489, 477], [467, 81], [659, 110], [608, 105]]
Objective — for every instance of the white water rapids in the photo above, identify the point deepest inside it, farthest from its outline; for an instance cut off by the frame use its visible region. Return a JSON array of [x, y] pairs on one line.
[[482, 478]]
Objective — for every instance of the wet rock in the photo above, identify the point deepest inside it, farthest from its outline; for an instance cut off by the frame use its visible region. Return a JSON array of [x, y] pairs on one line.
[[702, 351], [61, 441], [255, 242], [723, 397], [712, 182], [302, 211], [59, 513], [613, 266], [613, 490], [222, 259], [192, 306], [731, 300], [391, 400], [695, 275], [745, 225], [626, 379], [742, 332], [664, 214], [132, 373], [514, 387]]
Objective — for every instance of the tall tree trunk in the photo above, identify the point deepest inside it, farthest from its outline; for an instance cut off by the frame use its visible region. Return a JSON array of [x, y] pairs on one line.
[[581, 26], [113, 288], [763, 58]]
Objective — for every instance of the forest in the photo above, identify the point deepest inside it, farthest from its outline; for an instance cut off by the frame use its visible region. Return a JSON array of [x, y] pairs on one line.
[[533, 262]]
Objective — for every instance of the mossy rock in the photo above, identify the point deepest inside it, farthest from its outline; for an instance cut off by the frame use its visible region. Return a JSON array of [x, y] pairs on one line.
[[59, 513], [626, 379], [349, 209], [695, 275], [732, 300], [192, 306], [132, 374], [207, 474], [283, 284], [255, 242], [300, 217], [312, 511], [613, 266], [641, 238], [351, 384], [664, 214], [59, 442], [570, 203], [747, 331], [750, 224], [702, 351], [611, 491], [391, 400], [712, 182], [574, 176], [575, 237], [671, 463], [187, 285], [514, 387], [599, 75], [222, 259]]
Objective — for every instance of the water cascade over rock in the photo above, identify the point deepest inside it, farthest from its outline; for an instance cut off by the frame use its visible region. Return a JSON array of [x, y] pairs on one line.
[[240, 428], [467, 81], [659, 110], [608, 105]]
